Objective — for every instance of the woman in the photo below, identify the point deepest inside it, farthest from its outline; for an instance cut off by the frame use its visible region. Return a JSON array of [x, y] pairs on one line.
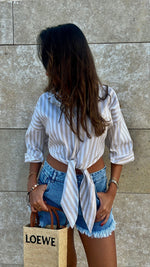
[[73, 117]]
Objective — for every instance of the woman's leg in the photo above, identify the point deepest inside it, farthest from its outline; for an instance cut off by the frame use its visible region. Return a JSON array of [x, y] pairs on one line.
[[71, 256], [100, 252]]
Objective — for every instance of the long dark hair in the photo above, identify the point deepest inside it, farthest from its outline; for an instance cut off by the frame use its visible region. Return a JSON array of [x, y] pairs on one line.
[[67, 58]]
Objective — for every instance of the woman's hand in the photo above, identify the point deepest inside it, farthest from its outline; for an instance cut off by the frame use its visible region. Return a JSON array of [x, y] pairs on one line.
[[36, 199], [106, 202], [106, 199]]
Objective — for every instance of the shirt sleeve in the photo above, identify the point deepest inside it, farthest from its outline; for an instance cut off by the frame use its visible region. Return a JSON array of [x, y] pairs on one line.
[[119, 140], [35, 137]]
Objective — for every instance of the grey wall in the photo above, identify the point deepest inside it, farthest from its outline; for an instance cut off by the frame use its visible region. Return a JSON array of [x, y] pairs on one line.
[[119, 37]]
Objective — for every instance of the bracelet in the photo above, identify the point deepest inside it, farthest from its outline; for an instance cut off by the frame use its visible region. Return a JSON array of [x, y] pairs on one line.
[[33, 188], [112, 180]]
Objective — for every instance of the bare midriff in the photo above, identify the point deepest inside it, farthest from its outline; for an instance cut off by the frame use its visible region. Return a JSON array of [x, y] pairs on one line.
[[60, 166]]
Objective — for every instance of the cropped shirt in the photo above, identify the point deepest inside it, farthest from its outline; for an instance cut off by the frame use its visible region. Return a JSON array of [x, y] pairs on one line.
[[48, 128]]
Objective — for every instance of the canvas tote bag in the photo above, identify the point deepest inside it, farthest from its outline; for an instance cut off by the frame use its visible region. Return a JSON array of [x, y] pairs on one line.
[[45, 247]]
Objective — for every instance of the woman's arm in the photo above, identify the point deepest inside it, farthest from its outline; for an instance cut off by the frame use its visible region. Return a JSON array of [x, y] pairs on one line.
[[115, 174], [107, 199], [36, 196], [121, 152], [33, 174]]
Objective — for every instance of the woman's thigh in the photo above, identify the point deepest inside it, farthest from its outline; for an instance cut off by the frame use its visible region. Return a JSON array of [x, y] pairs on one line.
[[100, 252]]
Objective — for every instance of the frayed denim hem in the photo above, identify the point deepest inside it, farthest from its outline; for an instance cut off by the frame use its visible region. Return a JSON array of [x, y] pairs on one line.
[[99, 234]]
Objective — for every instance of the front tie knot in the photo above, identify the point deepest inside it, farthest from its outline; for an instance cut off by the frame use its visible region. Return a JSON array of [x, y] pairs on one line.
[[70, 197]]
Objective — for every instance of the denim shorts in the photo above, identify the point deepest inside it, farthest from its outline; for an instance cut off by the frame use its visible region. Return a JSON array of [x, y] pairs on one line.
[[55, 181]]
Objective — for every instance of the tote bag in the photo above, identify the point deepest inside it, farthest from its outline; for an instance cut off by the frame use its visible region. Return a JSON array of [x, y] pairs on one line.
[[45, 247]]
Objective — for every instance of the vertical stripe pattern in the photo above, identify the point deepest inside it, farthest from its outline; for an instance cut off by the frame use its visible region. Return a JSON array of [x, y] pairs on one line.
[[88, 200], [70, 196], [46, 127]]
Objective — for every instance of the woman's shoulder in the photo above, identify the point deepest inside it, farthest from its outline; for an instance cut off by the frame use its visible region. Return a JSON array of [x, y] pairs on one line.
[[44, 97], [107, 94], [49, 97], [106, 89], [41, 101]]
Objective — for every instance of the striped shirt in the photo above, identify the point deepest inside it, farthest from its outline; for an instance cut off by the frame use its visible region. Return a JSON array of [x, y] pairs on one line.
[[46, 127]]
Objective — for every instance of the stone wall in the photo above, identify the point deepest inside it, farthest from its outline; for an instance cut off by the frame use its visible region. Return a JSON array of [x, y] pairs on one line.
[[119, 37]]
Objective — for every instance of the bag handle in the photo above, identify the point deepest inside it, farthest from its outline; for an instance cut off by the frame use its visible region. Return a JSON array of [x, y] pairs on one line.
[[34, 218]]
